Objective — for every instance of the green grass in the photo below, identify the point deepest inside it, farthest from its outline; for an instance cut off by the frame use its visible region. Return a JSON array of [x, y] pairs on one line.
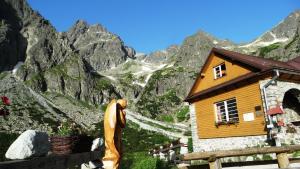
[[296, 154], [166, 118], [267, 157], [6, 139], [137, 142], [182, 113], [264, 50], [3, 74], [141, 160]]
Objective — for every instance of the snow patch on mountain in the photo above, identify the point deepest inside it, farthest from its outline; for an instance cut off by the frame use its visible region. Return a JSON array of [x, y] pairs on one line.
[[260, 42], [140, 70]]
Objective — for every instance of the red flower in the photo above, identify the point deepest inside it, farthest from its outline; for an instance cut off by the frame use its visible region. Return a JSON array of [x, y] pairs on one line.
[[5, 100], [280, 123]]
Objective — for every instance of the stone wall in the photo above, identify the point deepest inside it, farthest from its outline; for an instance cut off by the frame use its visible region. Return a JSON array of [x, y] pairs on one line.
[[230, 143], [275, 94], [194, 131]]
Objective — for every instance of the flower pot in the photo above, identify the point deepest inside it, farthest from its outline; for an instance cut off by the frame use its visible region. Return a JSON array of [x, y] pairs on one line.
[[82, 143], [61, 145]]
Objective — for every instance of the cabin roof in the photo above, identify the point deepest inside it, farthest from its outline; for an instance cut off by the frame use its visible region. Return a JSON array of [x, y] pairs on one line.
[[261, 66], [258, 62]]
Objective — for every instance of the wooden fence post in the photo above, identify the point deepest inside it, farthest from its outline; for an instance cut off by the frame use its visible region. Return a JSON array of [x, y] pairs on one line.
[[214, 162], [283, 160]]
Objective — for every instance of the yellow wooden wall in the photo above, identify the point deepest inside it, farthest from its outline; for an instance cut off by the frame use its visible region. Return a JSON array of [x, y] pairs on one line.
[[232, 71], [247, 98]]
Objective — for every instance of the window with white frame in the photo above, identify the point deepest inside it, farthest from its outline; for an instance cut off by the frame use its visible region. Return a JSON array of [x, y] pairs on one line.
[[226, 111], [219, 71]]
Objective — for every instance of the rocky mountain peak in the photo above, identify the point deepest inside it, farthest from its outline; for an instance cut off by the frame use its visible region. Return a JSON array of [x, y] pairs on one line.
[[79, 26], [97, 28], [283, 32], [99, 47], [162, 56]]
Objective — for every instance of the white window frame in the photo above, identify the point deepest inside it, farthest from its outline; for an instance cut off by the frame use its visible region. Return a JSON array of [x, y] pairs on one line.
[[220, 71], [226, 110]]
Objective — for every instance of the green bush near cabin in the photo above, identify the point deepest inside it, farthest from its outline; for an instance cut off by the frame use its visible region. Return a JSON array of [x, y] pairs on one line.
[[190, 145], [166, 118], [182, 113]]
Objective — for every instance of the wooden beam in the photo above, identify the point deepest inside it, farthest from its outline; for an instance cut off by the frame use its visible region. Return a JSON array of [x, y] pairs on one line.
[[239, 152]]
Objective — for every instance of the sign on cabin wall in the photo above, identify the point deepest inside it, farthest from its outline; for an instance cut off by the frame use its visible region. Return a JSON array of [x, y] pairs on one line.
[[248, 116]]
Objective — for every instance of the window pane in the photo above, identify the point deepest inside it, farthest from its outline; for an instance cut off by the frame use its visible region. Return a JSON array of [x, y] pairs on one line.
[[231, 110], [223, 66]]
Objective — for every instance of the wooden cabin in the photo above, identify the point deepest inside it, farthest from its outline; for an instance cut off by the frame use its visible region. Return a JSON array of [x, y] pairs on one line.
[[231, 98]]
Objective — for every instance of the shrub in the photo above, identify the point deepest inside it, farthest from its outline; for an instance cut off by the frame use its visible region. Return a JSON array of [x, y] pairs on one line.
[[167, 118], [264, 50], [182, 113], [147, 163], [190, 145], [267, 157]]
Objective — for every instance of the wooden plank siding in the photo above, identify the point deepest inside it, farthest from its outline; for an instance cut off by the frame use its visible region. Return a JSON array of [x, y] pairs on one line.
[[247, 98], [232, 71]]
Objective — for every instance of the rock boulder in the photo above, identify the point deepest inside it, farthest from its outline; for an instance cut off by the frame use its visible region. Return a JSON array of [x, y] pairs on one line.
[[31, 143]]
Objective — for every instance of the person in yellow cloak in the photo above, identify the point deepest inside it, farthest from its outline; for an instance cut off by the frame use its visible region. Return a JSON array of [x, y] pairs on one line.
[[114, 121]]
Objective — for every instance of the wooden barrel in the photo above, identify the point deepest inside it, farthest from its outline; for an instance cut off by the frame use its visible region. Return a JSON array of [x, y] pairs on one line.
[[61, 145]]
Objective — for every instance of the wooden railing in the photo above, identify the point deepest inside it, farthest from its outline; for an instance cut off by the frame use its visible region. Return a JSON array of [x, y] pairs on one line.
[[213, 157], [167, 152], [52, 161]]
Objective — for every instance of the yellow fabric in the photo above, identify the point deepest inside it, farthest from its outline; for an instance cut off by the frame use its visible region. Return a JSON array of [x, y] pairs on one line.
[[114, 121]]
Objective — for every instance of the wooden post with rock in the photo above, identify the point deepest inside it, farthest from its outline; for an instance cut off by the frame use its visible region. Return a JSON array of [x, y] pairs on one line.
[[214, 162], [283, 160]]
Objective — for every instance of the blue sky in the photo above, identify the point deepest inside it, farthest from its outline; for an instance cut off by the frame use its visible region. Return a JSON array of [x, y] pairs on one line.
[[149, 25]]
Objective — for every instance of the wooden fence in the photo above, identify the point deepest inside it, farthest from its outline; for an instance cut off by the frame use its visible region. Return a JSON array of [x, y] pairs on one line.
[[167, 152], [52, 161], [213, 157]]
